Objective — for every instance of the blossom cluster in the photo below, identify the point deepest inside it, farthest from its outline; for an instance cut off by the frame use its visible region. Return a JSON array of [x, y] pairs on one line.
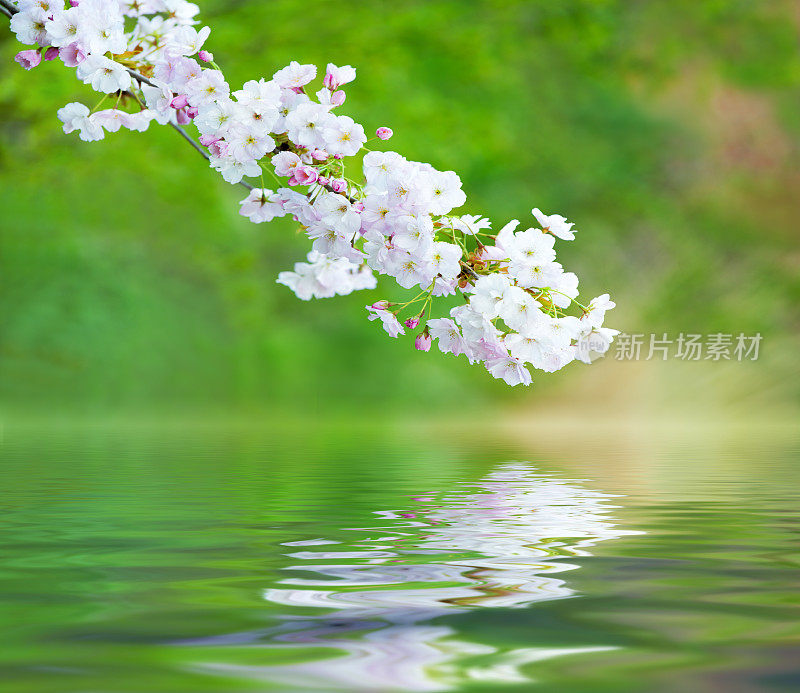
[[395, 217]]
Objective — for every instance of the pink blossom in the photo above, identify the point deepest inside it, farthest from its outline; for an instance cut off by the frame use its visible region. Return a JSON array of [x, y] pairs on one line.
[[412, 323], [205, 56], [285, 163], [337, 76], [384, 133], [319, 154], [71, 55], [180, 101], [338, 185], [51, 53], [389, 321], [423, 342], [294, 76], [208, 140], [182, 117], [305, 175], [338, 97], [28, 59], [218, 147]]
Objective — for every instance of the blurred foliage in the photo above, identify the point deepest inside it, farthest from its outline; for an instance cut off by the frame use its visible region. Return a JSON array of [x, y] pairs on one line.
[[667, 131]]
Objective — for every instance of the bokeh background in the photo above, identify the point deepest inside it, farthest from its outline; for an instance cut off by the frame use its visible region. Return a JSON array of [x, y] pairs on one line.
[[667, 131]]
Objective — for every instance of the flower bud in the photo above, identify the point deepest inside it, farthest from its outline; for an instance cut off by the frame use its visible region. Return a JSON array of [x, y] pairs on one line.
[[205, 56], [423, 342], [322, 180], [28, 59], [51, 53], [338, 97], [180, 101], [182, 117], [338, 185], [380, 305], [319, 154], [192, 112], [208, 140], [384, 133], [412, 323]]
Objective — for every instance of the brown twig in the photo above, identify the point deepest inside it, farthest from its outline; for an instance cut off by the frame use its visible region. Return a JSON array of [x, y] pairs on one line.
[[8, 7], [471, 272]]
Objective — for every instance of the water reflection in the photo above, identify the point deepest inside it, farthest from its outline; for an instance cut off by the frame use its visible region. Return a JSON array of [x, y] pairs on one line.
[[501, 542]]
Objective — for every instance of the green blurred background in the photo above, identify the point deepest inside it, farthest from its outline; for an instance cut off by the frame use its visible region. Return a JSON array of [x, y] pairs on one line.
[[667, 131]]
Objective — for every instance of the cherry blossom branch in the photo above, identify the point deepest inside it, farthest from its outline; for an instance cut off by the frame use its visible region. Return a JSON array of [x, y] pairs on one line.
[[397, 220], [144, 80], [9, 10]]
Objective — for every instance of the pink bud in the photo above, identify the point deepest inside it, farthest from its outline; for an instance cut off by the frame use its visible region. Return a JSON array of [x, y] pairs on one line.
[[74, 3], [205, 56], [305, 175], [180, 101], [359, 206], [423, 342], [328, 81], [28, 59], [338, 97], [51, 53], [182, 117], [338, 185], [380, 305], [412, 323], [384, 133], [322, 180], [319, 154], [192, 112], [208, 140]]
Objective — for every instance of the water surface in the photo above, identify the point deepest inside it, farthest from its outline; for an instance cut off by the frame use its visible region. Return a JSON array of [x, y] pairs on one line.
[[262, 558]]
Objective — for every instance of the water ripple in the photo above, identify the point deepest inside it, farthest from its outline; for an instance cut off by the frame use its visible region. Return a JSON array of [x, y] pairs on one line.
[[497, 543]]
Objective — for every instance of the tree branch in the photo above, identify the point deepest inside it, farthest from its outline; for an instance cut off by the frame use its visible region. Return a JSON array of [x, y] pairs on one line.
[[471, 272], [8, 7], [9, 10], [144, 80]]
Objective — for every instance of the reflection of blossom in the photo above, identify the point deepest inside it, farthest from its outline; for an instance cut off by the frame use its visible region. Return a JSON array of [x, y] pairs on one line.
[[499, 543]]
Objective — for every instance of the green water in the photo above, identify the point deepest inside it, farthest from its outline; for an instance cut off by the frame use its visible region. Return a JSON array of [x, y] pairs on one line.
[[291, 558]]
